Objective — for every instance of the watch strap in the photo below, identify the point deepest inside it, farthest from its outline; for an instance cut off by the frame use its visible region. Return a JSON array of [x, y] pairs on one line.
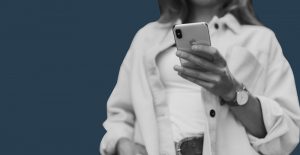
[[234, 101]]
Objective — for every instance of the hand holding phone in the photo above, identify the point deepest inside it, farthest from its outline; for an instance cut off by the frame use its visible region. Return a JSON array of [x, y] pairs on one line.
[[200, 63]]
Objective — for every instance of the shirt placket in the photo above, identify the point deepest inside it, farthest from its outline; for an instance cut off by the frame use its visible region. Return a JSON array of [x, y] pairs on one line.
[[211, 109], [211, 101], [161, 108]]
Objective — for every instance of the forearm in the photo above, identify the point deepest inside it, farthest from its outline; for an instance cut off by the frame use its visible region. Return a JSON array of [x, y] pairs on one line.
[[250, 115]]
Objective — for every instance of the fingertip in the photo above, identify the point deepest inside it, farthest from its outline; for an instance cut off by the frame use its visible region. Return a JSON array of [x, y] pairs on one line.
[[198, 47], [194, 47], [178, 53], [176, 67]]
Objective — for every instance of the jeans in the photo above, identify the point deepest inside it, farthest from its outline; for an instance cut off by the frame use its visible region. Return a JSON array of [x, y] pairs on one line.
[[190, 146]]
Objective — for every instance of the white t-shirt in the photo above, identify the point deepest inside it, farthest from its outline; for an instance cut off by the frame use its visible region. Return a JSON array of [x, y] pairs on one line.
[[183, 97]]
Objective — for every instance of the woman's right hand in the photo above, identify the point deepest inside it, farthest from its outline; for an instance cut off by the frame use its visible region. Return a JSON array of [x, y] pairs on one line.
[[126, 146]]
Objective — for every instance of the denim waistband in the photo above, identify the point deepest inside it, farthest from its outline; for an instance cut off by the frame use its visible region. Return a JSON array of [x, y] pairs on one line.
[[190, 146]]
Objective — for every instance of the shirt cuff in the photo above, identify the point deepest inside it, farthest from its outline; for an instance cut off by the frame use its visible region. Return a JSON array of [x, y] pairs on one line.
[[110, 139], [273, 118]]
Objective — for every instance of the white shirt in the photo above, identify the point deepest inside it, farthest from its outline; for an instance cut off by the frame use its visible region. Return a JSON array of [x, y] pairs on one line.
[[137, 109]]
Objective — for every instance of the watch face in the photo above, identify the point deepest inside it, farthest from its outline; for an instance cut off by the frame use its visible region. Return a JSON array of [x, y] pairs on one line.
[[242, 97]]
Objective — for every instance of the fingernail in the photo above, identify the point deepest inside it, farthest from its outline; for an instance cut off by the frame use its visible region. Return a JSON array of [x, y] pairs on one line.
[[178, 53], [194, 47], [177, 68]]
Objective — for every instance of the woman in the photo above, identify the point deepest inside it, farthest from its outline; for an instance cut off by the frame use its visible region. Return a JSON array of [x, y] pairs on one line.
[[242, 102]]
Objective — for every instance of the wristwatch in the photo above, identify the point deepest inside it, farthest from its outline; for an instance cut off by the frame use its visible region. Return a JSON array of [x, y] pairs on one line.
[[241, 97]]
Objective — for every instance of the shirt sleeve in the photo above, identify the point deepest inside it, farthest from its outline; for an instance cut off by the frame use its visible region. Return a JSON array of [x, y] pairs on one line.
[[280, 107], [120, 114]]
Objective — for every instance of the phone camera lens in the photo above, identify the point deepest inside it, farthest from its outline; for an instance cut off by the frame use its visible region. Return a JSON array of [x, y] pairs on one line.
[[178, 33]]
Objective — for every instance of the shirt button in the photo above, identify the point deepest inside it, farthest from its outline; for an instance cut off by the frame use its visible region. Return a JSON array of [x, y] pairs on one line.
[[212, 113], [216, 26]]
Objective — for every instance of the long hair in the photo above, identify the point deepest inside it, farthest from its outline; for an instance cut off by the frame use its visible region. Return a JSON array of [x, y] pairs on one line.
[[171, 10]]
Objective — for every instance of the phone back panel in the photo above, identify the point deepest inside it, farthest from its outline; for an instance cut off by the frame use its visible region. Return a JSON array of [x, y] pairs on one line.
[[193, 33]]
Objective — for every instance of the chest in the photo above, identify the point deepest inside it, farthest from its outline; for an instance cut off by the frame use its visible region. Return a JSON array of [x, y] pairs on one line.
[[246, 59]]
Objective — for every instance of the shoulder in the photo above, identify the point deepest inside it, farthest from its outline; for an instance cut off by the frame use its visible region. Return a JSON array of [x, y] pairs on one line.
[[146, 32], [150, 33], [262, 40], [258, 32], [259, 37]]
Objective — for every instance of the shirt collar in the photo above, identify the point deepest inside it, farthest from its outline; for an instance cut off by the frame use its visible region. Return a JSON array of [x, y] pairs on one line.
[[228, 21], [231, 22]]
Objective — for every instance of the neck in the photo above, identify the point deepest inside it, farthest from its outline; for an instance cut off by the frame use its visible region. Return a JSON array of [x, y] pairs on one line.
[[201, 13]]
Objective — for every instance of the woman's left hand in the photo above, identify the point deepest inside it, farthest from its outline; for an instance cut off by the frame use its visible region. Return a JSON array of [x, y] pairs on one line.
[[215, 77]]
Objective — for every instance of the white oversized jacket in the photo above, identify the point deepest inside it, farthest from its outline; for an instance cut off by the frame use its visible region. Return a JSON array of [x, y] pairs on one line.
[[137, 110]]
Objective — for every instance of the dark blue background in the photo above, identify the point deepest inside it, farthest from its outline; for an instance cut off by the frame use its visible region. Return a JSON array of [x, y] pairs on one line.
[[59, 61]]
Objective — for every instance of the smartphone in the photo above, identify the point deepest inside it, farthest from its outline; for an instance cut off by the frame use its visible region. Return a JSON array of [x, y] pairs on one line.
[[186, 35], [193, 33]]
